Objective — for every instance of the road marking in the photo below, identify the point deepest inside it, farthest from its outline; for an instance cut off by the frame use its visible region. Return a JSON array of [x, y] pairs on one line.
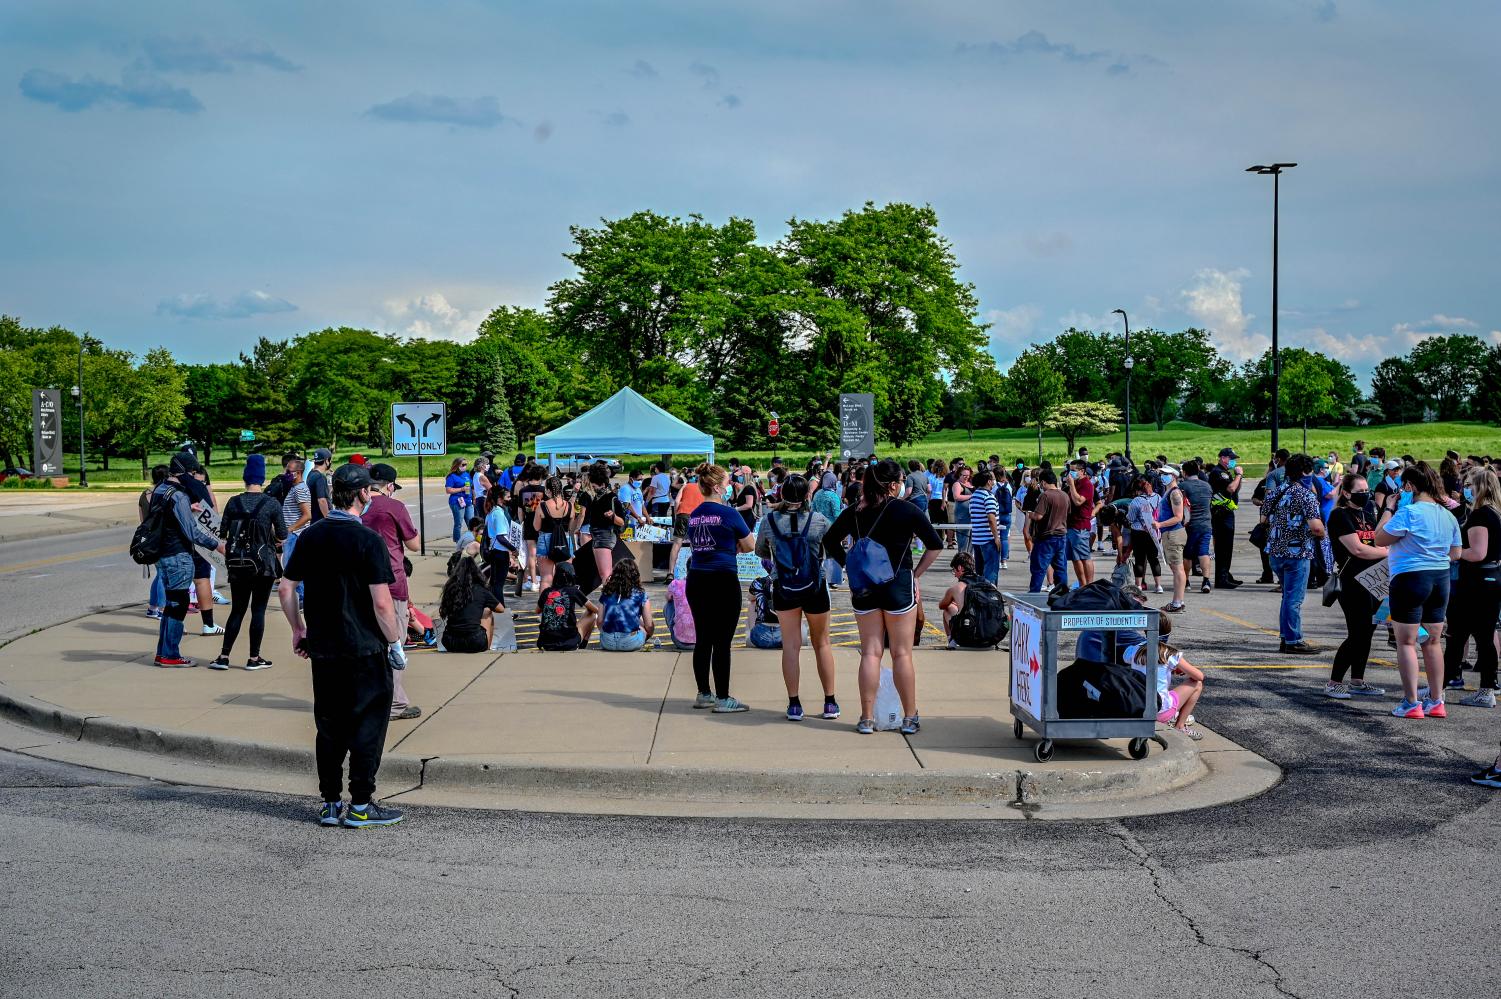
[[1241, 621], [55, 559]]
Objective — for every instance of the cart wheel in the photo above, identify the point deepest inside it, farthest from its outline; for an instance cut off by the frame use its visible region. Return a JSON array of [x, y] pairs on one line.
[[1138, 749], [1016, 727], [1043, 750]]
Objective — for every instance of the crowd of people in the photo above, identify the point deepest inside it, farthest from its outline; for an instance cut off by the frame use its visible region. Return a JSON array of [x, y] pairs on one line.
[[1392, 541]]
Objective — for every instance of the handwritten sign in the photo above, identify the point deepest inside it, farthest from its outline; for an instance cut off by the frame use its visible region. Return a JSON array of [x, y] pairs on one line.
[[1026, 659], [1377, 579]]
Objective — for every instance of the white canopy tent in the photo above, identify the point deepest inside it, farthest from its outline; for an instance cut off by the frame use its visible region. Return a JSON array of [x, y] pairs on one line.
[[625, 423]]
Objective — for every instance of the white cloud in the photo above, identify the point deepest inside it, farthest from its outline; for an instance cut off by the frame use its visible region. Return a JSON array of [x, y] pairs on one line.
[[433, 317], [1409, 335], [1353, 349], [1496, 336], [1215, 303], [1013, 326]]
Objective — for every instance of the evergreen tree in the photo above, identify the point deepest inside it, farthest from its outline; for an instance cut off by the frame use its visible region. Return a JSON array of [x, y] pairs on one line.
[[500, 432]]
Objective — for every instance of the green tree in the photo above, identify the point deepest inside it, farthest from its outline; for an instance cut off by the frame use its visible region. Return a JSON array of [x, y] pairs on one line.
[[215, 408], [1072, 420], [1091, 364], [1307, 392], [500, 433], [1170, 367], [544, 380], [16, 383], [1033, 388], [157, 401], [267, 374], [109, 379], [341, 381], [1396, 387], [1445, 367]]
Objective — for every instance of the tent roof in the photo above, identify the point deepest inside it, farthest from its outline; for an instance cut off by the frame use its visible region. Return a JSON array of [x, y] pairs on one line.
[[626, 423]]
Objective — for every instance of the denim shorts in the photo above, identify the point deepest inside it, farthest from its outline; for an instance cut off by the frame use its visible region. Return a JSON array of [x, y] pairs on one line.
[[1420, 596], [622, 641], [603, 538], [1080, 544], [1198, 542]]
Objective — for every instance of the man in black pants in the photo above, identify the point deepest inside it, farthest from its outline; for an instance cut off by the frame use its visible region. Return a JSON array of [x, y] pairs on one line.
[[1224, 484], [346, 577]]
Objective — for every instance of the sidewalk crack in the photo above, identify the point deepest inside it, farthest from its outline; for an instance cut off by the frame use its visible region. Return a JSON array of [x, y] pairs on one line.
[[662, 707], [430, 715]]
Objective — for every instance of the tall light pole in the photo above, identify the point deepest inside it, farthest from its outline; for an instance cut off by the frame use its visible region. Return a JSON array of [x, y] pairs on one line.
[[1129, 365], [83, 465], [1275, 170]]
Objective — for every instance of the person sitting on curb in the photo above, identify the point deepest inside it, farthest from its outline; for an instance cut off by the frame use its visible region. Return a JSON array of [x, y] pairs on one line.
[[468, 609], [763, 629], [625, 621], [1175, 701], [952, 601], [567, 616]]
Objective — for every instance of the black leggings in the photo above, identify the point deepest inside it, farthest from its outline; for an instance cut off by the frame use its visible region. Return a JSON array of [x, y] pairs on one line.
[[1144, 551], [1353, 653], [1473, 609], [500, 564], [251, 591], [715, 599]]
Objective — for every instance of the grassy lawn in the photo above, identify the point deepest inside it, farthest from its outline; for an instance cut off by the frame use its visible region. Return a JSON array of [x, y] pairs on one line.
[[1177, 440]]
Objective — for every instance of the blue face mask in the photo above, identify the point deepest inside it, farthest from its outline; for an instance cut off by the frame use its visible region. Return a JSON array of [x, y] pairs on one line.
[[1469, 495], [1233, 462], [1405, 499]]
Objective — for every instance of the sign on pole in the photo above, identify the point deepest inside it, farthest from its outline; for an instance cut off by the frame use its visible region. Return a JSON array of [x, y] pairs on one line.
[[47, 432], [857, 424], [419, 428]]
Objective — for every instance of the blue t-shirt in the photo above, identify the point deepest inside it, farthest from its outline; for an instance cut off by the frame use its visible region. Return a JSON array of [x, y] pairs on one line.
[[713, 529], [1425, 533], [454, 481], [622, 615]]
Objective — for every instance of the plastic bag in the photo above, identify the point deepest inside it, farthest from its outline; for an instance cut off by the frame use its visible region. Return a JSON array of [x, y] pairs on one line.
[[888, 704]]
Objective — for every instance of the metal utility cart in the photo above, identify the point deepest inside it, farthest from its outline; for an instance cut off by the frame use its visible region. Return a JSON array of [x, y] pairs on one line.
[[1035, 628]]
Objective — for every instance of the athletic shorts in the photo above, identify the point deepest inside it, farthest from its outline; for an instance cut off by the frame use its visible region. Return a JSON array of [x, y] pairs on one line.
[[1198, 543], [1420, 597], [455, 640], [1080, 544], [1172, 546], [680, 527], [201, 568], [813, 600], [895, 597]]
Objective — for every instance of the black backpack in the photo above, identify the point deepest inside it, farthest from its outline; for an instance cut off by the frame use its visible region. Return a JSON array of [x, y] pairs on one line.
[[1100, 690], [277, 489], [981, 623], [146, 542], [249, 545]]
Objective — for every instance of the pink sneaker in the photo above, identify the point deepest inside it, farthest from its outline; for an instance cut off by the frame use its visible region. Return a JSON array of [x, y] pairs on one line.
[[1434, 709]]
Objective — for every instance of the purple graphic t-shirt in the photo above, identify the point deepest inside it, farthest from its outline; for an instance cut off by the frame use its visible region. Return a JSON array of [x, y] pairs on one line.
[[713, 529]]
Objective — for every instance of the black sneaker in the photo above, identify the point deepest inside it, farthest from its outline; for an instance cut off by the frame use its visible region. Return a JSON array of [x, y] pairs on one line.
[[1227, 584], [1298, 649], [1489, 777], [329, 814], [373, 814], [1265, 580], [1206, 587]]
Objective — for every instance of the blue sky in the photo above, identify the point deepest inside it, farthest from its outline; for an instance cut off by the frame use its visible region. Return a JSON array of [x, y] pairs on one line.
[[201, 174]]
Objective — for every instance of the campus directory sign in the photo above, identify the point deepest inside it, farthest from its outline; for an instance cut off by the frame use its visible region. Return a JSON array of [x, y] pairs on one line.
[[47, 432], [857, 424]]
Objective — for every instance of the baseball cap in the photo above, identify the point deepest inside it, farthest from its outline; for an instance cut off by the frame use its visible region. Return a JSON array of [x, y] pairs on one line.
[[1228, 452], [383, 474], [1392, 465], [352, 476], [321, 455], [183, 462]]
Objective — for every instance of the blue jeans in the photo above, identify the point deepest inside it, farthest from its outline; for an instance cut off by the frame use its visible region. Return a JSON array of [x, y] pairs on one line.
[[1004, 540], [176, 575], [1293, 572], [158, 598], [459, 520], [286, 555], [987, 560], [1048, 552]]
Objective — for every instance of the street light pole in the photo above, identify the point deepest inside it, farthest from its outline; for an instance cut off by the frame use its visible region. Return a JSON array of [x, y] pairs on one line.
[[1275, 170], [83, 464], [1129, 365]]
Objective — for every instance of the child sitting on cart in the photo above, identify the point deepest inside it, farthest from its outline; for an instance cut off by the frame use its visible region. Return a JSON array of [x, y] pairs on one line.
[[1179, 682]]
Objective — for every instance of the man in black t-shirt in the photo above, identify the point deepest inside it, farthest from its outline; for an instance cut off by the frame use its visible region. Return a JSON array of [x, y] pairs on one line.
[[317, 484], [350, 620], [1224, 485]]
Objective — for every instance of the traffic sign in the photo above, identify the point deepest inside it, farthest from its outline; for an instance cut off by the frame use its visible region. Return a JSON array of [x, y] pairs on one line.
[[419, 428], [773, 428]]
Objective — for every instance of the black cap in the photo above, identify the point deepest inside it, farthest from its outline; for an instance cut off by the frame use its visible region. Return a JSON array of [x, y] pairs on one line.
[[1228, 452], [383, 474], [352, 476], [183, 462]]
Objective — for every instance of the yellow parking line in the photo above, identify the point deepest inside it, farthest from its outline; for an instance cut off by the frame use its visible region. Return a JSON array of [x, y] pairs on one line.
[[1241, 621], [55, 559]]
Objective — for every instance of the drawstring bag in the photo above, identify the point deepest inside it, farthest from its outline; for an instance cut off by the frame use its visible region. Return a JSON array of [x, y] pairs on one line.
[[867, 563]]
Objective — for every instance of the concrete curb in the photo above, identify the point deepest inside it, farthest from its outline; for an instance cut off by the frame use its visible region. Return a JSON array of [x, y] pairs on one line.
[[1164, 770], [77, 523]]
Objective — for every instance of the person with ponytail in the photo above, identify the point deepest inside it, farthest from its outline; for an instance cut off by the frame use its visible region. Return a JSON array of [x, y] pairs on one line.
[[1351, 530], [791, 536], [716, 533], [885, 610], [1476, 599], [1423, 539]]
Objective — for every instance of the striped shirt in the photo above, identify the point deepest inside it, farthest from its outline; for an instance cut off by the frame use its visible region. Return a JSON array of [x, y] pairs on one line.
[[981, 506]]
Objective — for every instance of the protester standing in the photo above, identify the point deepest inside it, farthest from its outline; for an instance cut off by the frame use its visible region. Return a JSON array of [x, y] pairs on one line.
[[959, 494], [1049, 524], [179, 534], [317, 483], [1224, 483], [1141, 518], [984, 527], [1171, 518], [791, 538], [1200, 497], [253, 531], [1476, 599], [156, 600], [1294, 528], [1352, 529], [716, 533], [1079, 525], [389, 518], [350, 622]]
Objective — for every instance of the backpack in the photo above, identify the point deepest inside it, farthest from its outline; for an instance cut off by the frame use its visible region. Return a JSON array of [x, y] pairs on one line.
[[867, 563], [277, 489], [248, 544], [1100, 690], [798, 566], [146, 542], [981, 622]]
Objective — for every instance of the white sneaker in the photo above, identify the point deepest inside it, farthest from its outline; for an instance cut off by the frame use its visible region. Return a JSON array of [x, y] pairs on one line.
[[212, 629], [1005, 566], [1159, 588], [529, 585], [1482, 698], [220, 598]]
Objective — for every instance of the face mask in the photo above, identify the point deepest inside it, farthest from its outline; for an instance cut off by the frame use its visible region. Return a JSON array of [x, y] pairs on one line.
[[1233, 462], [1469, 495], [1405, 499], [1391, 482]]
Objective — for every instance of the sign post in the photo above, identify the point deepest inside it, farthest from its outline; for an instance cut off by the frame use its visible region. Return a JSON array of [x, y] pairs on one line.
[[857, 424], [46, 432], [419, 428], [772, 429]]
